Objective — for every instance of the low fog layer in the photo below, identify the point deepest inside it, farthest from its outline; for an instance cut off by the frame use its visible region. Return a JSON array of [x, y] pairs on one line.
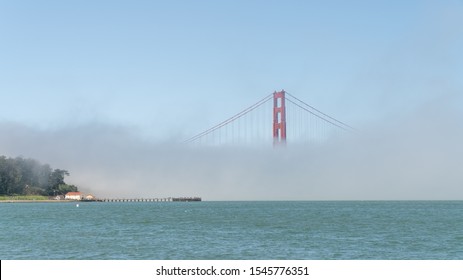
[[414, 156]]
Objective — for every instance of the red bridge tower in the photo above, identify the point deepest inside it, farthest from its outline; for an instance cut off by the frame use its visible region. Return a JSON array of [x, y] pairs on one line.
[[279, 118]]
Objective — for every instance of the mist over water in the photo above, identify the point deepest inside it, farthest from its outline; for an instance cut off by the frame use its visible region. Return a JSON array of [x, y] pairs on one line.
[[411, 156]]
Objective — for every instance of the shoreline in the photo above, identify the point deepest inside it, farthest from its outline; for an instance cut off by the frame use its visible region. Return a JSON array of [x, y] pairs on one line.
[[36, 201]]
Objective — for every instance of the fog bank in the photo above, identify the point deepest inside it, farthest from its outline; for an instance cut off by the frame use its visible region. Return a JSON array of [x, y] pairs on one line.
[[413, 156]]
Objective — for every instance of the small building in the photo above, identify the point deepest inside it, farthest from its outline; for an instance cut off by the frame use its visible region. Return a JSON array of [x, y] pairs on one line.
[[73, 196], [90, 197]]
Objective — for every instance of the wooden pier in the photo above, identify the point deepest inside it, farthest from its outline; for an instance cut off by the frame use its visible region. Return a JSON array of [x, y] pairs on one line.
[[167, 199]]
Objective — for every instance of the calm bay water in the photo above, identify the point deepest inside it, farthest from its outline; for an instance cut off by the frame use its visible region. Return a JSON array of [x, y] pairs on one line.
[[233, 230]]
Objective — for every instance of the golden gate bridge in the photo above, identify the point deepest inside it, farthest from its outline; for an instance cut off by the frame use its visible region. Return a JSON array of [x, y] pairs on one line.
[[286, 119]]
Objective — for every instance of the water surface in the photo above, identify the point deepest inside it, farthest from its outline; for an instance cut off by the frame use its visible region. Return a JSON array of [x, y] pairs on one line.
[[233, 230]]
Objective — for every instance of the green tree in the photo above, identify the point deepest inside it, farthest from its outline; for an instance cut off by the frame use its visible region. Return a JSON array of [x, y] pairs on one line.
[[56, 179], [65, 188], [28, 176], [10, 177]]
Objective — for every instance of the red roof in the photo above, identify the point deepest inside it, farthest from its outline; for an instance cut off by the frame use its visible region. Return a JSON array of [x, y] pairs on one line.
[[73, 193]]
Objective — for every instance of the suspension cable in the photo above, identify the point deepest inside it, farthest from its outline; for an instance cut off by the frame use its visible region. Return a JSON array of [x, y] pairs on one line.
[[320, 117], [229, 120], [320, 112]]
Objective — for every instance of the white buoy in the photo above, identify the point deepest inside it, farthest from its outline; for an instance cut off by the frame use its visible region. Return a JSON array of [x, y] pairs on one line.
[[77, 205]]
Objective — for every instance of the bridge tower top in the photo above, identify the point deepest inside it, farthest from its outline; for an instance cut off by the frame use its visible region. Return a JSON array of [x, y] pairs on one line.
[[279, 118]]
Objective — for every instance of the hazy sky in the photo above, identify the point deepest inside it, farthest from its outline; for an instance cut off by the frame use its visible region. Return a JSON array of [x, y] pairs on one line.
[[153, 64], [156, 71]]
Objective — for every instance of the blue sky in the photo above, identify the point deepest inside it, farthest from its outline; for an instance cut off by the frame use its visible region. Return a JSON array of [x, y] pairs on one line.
[[174, 68]]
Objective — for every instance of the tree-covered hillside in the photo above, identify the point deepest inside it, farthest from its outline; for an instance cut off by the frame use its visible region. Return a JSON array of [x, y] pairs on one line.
[[19, 176]]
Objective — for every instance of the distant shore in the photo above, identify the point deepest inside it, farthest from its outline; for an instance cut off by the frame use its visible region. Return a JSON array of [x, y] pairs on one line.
[[31, 199], [35, 201], [44, 199]]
